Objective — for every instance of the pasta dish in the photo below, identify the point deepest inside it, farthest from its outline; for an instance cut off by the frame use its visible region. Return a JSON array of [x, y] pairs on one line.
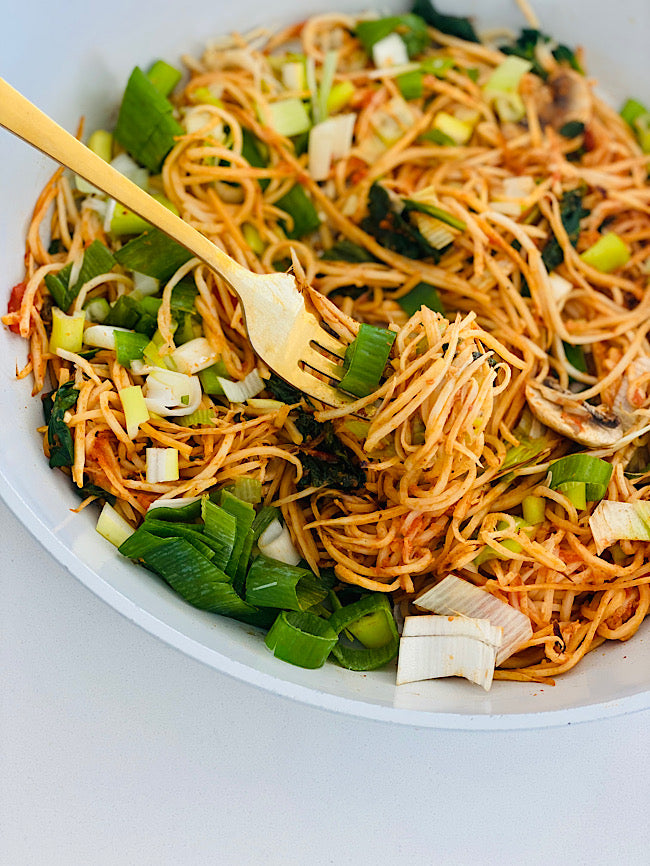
[[473, 204]]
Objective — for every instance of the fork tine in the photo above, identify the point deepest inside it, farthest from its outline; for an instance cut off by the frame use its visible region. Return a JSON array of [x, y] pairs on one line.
[[308, 383], [322, 364], [325, 340]]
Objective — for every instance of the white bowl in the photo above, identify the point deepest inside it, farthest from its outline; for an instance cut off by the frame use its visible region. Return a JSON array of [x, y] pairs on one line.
[[75, 60]]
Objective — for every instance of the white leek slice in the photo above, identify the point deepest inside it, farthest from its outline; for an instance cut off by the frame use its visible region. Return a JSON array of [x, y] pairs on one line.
[[174, 503], [238, 392], [331, 139], [433, 656], [437, 234], [390, 51], [453, 595], [144, 285], [101, 336], [453, 626], [162, 465], [619, 521], [131, 170], [112, 526], [560, 287], [293, 75], [172, 394], [195, 355], [275, 542]]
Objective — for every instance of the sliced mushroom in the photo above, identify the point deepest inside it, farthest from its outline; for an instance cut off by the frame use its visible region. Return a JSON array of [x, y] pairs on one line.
[[593, 426], [565, 97]]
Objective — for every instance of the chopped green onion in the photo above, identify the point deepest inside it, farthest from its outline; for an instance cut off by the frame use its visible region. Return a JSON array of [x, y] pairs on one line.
[[301, 209], [301, 639], [370, 621], [125, 222], [97, 309], [151, 354], [199, 418], [124, 313], [221, 526], [164, 77], [458, 131], [271, 583], [533, 508], [112, 526], [503, 85], [632, 110], [244, 514], [135, 409], [339, 96], [253, 239], [436, 212], [365, 359], [289, 117], [592, 471], [192, 533], [129, 346], [96, 260], [411, 84], [607, 254], [411, 28], [248, 489], [67, 331], [210, 378], [101, 143], [154, 254], [575, 492], [422, 295], [184, 510], [146, 127]]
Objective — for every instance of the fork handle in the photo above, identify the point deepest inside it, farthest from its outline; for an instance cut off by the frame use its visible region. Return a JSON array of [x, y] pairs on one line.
[[24, 119]]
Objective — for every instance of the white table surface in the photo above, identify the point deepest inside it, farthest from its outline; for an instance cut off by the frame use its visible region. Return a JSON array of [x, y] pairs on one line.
[[120, 750]]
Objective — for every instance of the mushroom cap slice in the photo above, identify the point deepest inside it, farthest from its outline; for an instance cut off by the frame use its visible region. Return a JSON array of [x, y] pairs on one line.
[[592, 426]]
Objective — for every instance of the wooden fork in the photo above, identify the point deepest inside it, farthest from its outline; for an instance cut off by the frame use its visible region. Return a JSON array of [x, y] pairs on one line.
[[287, 337]]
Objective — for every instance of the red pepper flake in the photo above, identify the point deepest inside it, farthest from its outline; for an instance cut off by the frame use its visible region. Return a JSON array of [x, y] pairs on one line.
[[15, 300]]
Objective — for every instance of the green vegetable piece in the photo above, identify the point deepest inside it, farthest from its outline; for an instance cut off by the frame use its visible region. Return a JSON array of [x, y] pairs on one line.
[[164, 77], [59, 437], [192, 533], [572, 129], [453, 25], [365, 359], [146, 127], [533, 509], [154, 254], [607, 254], [436, 212], [411, 84], [392, 230], [271, 583], [244, 514], [129, 346], [176, 514], [209, 378], [97, 260], [422, 295], [571, 212], [411, 28], [124, 313], [301, 639], [302, 211], [575, 355], [222, 529], [347, 251], [370, 621], [591, 471], [575, 492]]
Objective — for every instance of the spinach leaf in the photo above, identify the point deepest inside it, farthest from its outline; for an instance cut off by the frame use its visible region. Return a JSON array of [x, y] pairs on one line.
[[326, 461], [452, 25], [282, 391], [571, 212], [93, 490], [526, 43], [59, 437], [347, 251], [392, 230]]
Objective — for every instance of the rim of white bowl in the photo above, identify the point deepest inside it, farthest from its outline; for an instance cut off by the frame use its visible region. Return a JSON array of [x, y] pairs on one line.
[[312, 696]]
